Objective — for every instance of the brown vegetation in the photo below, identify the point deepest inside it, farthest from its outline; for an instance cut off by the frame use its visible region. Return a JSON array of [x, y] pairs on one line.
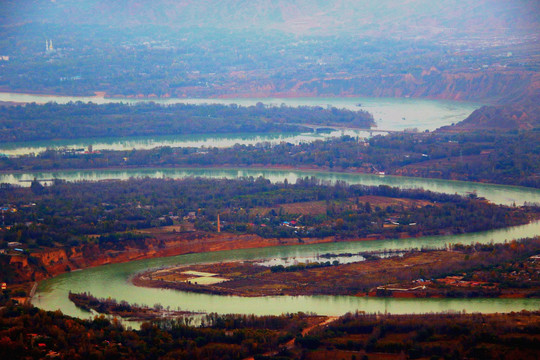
[[30, 333], [524, 115], [412, 275], [320, 207], [448, 336]]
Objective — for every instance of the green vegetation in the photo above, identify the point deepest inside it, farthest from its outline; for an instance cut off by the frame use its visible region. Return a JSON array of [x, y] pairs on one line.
[[67, 213], [496, 157], [80, 120], [475, 50]]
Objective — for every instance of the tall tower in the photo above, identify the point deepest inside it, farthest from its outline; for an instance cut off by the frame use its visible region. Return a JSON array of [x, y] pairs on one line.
[[48, 46], [218, 224]]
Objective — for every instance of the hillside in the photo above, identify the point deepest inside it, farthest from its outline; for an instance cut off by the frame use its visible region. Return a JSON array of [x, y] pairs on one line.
[[524, 115], [461, 50], [454, 85]]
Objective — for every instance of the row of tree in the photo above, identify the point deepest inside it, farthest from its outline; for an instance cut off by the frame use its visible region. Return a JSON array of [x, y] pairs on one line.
[[30, 333], [66, 213], [88, 120], [448, 336], [496, 157]]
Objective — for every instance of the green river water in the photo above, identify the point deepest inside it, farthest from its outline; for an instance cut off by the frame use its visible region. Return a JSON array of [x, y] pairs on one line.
[[113, 280], [389, 113], [500, 194]]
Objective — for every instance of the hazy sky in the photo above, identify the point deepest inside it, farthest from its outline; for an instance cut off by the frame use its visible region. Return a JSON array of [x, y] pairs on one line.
[[417, 17]]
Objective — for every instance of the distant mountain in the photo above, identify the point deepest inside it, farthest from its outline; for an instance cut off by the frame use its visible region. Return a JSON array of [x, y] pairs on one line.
[[445, 49], [382, 17], [506, 84]]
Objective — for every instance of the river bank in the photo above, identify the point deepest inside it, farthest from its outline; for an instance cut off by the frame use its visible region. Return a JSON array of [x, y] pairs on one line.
[[183, 239], [496, 193], [124, 310], [53, 262], [389, 112], [413, 274], [256, 167], [58, 261], [113, 280], [156, 242], [164, 243], [250, 95]]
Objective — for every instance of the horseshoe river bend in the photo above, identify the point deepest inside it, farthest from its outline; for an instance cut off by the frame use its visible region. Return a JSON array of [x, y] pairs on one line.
[[114, 280]]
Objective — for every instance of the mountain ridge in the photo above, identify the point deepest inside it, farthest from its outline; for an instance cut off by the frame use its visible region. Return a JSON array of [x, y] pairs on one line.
[[524, 115]]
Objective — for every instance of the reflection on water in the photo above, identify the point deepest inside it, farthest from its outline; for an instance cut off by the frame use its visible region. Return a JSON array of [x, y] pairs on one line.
[[194, 140], [327, 258], [389, 114], [499, 194], [113, 281]]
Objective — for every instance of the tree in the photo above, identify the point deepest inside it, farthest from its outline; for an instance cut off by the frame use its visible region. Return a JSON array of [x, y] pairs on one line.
[[36, 187]]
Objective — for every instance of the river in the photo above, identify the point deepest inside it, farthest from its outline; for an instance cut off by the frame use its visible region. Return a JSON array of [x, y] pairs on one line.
[[499, 194], [389, 114], [191, 140], [113, 280]]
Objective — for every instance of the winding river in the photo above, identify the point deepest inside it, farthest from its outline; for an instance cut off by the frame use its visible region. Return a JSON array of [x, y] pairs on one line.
[[113, 280], [499, 194], [191, 140], [389, 114]]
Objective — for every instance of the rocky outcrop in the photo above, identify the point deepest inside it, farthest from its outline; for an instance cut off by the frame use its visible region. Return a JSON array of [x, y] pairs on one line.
[[494, 86], [56, 261], [430, 84], [524, 115]]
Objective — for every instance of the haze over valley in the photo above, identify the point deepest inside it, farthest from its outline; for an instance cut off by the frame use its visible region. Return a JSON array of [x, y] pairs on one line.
[[269, 179]]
